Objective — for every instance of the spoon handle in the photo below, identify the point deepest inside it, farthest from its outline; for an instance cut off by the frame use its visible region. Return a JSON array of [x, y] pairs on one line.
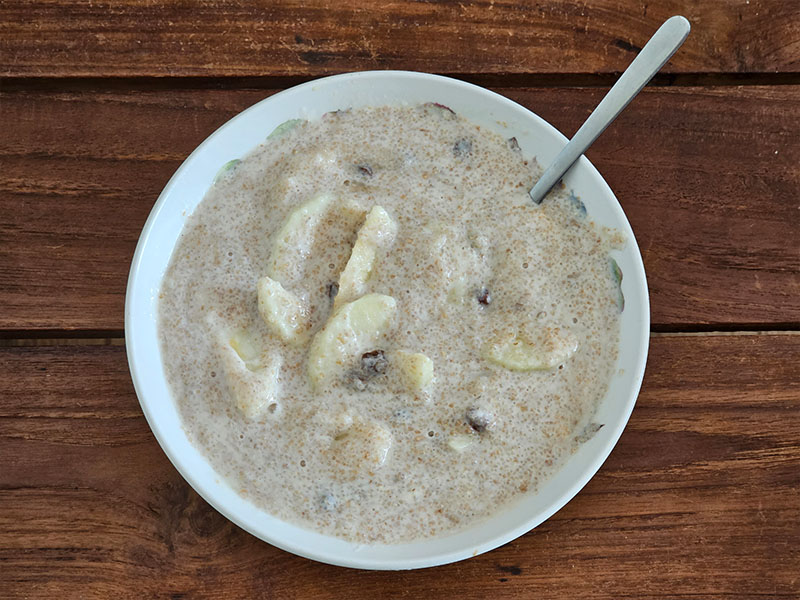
[[649, 61]]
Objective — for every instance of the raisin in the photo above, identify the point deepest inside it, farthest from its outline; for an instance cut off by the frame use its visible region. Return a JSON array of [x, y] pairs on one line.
[[374, 363], [588, 432], [462, 147], [364, 169], [335, 113], [333, 289], [484, 297], [441, 107], [479, 419], [513, 144]]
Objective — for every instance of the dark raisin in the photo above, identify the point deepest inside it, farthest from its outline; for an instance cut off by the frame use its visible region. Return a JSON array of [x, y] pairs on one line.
[[364, 169], [462, 148], [513, 144], [588, 432], [577, 203], [441, 107], [484, 297], [333, 289], [335, 113], [374, 363], [479, 419]]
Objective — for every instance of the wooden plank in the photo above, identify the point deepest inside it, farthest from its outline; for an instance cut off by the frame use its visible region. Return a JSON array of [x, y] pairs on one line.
[[709, 180], [698, 499], [72, 206], [59, 38], [707, 176]]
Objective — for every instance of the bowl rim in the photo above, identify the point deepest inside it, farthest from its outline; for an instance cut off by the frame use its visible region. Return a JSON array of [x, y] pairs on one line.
[[364, 560]]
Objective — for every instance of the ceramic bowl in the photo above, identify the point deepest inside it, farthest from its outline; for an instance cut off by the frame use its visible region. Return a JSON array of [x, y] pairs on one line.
[[308, 101]]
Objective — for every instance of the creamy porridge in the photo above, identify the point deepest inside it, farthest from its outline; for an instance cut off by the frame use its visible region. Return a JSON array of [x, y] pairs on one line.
[[371, 331]]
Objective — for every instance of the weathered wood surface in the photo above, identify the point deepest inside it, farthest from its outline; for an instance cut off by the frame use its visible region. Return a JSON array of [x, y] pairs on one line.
[[60, 38], [699, 499], [709, 178]]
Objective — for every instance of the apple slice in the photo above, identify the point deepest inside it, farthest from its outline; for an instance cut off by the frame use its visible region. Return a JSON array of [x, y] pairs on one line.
[[292, 244], [284, 313], [362, 447], [416, 369], [252, 381], [246, 347], [353, 329], [543, 349], [378, 230]]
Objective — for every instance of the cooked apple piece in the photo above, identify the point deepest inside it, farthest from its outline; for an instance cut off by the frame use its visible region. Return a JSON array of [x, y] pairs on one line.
[[416, 369], [285, 128], [226, 168], [378, 230], [292, 244], [353, 279], [284, 313], [379, 227], [353, 329], [616, 273], [543, 349], [362, 447], [342, 422], [449, 264], [460, 442], [253, 383], [246, 348], [457, 293]]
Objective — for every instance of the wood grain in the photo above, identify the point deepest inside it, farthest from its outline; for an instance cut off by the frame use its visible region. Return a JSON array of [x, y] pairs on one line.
[[699, 498], [59, 38], [707, 176]]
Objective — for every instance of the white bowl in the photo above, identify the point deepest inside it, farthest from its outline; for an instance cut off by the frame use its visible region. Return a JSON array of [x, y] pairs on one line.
[[310, 100]]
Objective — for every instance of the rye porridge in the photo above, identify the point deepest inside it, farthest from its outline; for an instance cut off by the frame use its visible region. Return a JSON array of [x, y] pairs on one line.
[[371, 331]]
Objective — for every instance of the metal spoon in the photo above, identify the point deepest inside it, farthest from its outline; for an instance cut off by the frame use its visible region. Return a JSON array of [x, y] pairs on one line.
[[653, 56]]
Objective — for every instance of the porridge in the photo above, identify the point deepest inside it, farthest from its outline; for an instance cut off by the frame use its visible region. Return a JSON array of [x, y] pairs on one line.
[[371, 331]]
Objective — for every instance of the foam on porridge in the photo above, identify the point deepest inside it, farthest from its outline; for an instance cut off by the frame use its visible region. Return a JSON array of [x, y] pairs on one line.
[[371, 331]]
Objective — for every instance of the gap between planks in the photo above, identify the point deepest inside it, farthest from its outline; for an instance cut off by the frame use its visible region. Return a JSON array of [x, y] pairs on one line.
[[120, 341], [509, 80]]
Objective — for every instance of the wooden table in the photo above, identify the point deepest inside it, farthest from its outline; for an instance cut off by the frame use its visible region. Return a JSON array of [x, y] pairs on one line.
[[101, 101]]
